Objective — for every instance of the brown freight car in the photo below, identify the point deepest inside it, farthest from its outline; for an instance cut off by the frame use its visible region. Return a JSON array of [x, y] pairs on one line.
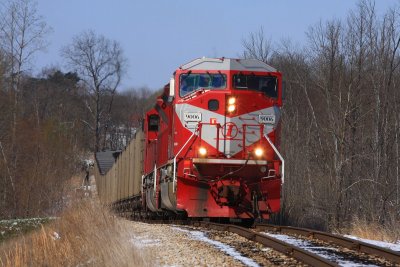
[[118, 174]]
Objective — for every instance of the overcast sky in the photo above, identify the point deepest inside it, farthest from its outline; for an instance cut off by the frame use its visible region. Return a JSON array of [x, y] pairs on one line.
[[159, 36]]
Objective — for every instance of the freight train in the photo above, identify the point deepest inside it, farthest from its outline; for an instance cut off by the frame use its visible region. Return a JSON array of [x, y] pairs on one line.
[[208, 149]]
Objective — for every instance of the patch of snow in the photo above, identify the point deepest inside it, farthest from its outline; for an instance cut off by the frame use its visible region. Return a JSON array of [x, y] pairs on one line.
[[392, 246], [144, 242], [55, 236], [329, 253], [225, 248], [35, 220]]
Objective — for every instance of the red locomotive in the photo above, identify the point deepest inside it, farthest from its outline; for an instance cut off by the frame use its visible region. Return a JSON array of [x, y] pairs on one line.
[[210, 143]]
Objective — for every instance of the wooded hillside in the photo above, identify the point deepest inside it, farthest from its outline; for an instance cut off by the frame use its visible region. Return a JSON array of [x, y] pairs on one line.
[[341, 133]]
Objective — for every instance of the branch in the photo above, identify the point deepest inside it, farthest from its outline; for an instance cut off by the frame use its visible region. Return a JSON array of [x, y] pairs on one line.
[[359, 181], [8, 169], [87, 124]]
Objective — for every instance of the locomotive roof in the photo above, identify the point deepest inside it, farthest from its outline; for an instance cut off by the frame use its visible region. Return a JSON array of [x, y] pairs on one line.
[[227, 64]]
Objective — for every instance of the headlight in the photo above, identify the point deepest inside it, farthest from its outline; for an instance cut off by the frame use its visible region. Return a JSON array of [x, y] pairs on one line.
[[202, 151], [231, 108], [258, 152]]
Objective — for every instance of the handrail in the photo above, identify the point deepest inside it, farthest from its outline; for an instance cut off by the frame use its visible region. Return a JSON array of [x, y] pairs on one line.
[[245, 132], [155, 177], [218, 125], [174, 171], [279, 155]]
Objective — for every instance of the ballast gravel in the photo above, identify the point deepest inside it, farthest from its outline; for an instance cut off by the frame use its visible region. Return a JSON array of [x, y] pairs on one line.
[[175, 245]]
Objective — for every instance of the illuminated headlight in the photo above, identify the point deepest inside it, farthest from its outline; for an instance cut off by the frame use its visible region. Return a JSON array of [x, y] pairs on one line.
[[202, 151], [231, 108], [258, 152], [231, 104]]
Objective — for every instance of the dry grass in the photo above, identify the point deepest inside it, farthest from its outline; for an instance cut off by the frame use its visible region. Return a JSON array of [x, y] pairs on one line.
[[389, 232], [85, 235]]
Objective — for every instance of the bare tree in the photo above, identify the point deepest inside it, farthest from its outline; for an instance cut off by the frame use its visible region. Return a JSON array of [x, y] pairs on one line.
[[22, 34], [126, 116], [100, 64], [257, 46]]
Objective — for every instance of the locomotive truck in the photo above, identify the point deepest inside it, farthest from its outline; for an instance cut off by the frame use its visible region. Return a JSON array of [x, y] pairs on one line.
[[209, 148]]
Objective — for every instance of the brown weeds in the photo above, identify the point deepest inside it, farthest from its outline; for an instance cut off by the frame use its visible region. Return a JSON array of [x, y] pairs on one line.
[[388, 231], [85, 235]]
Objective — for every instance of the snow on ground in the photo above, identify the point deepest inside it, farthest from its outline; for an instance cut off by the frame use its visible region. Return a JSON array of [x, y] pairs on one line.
[[23, 220], [392, 246], [223, 247], [332, 254], [146, 241], [166, 246], [15, 227]]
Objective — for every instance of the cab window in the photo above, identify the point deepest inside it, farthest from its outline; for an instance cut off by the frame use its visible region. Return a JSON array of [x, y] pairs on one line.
[[265, 84], [154, 121], [191, 82]]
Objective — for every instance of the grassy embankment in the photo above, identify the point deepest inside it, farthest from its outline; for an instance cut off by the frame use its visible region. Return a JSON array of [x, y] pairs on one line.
[[84, 235], [389, 232]]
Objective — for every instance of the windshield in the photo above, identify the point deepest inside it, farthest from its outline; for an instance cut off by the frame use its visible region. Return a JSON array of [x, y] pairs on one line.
[[265, 84], [190, 82]]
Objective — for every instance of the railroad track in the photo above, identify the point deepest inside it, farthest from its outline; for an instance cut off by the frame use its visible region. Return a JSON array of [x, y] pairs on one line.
[[355, 245], [291, 250], [276, 244]]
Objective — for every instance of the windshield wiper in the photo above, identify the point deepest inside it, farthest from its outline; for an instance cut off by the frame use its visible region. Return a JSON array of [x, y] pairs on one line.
[[187, 75], [223, 77]]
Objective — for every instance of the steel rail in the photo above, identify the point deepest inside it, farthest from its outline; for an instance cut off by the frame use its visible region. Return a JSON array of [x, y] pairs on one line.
[[342, 241], [276, 244]]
